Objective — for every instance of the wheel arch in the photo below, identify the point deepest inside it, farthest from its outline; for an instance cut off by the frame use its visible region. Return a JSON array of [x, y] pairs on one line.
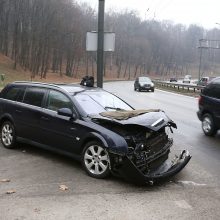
[[93, 137], [208, 112], [6, 117]]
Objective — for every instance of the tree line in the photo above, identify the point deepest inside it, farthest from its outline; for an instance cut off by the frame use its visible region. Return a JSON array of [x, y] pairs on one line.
[[44, 36]]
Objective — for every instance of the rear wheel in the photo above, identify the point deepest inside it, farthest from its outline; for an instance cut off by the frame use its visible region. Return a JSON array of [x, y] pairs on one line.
[[95, 160], [8, 137], [208, 125]]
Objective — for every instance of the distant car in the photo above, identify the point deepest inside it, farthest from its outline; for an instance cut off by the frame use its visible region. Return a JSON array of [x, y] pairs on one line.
[[143, 83], [209, 107], [205, 80], [173, 79], [187, 79]]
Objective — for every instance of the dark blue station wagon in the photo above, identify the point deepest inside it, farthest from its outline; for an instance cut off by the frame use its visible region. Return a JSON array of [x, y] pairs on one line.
[[93, 126]]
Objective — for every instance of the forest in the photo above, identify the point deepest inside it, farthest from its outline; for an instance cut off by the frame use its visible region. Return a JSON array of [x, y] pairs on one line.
[[50, 36]]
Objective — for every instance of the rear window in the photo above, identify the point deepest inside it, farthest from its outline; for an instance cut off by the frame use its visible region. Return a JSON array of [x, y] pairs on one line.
[[216, 80], [14, 93], [212, 90], [34, 96]]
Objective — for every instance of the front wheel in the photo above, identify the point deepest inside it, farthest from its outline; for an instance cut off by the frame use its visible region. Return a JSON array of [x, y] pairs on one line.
[[95, 160], [208, 125], [8, 137]]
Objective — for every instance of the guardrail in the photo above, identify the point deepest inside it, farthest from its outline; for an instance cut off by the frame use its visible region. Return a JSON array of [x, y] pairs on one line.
[[180, 86]]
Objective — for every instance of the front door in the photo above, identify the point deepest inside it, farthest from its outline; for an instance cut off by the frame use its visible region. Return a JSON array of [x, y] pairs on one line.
[[58, 131]]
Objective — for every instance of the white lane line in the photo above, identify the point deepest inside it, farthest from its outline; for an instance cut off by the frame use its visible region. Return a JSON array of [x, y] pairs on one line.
[[192, 183], [176, 94], [183, 204]]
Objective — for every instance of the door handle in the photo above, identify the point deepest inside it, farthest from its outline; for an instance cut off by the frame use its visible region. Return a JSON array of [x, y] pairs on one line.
[[18, 111]]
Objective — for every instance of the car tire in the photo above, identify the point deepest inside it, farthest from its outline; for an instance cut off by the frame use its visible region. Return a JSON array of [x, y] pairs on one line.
[[208, 125], [95, 160], [8, 137], [152, 90]]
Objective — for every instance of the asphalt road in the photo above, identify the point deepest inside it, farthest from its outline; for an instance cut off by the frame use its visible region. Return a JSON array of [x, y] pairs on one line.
[[35, 175]]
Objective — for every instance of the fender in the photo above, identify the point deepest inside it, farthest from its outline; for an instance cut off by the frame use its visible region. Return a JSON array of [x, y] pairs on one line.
[[109, 143], [6, 116]]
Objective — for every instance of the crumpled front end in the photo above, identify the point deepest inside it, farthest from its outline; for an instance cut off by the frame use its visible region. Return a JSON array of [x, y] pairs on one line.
[[148, 146], [147, 160]]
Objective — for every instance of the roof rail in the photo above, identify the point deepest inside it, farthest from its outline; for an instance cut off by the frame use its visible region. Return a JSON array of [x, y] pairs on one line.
[[40, 83]]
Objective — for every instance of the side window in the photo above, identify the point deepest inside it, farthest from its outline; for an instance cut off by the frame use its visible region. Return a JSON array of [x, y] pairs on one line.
[[212, 90], [12, 93], [57, 100], [34, 96]]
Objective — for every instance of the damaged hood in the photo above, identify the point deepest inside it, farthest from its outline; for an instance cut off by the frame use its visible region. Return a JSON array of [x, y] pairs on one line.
[[153, 119]]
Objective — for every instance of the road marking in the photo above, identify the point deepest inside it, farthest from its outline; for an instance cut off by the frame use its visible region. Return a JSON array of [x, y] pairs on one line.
[[183, 204], [192, 183]]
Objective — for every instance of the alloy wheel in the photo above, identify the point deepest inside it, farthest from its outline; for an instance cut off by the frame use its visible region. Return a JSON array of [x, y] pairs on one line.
[[96, 160], [8, 135], [206, 125]]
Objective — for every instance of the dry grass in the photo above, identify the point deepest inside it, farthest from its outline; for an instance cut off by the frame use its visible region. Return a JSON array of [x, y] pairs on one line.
[[18, 74]]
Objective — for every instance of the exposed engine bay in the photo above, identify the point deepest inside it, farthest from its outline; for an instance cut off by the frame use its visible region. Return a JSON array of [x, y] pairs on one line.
[[148, 151]]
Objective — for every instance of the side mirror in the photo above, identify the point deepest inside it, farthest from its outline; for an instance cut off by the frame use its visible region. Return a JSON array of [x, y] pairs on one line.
[[66, 112]]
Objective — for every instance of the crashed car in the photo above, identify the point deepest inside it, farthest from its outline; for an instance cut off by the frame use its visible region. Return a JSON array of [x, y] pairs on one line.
[[92, 125]]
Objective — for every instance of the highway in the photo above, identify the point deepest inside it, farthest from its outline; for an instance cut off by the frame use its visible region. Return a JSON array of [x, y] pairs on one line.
[[194, 193]]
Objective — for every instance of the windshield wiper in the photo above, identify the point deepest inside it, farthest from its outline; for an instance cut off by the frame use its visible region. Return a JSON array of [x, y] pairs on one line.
[[114, 108]]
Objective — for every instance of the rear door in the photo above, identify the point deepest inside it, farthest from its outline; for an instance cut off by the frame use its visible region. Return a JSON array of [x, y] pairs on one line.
[[28, 113]]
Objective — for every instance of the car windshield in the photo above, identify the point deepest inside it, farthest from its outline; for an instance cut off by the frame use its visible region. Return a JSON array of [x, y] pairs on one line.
[[144, 79], [97, 102]]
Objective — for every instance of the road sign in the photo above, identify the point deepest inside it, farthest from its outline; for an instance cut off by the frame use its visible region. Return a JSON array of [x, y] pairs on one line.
[[92, 39]]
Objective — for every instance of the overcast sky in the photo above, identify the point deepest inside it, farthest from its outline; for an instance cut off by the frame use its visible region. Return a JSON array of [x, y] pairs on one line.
[[205, 13]]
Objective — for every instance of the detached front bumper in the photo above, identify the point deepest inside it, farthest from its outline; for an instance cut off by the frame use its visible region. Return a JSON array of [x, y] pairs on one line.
[[169, 168]]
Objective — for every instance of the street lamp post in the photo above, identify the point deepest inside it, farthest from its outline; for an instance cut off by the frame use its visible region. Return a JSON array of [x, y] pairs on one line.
[[100, 50]]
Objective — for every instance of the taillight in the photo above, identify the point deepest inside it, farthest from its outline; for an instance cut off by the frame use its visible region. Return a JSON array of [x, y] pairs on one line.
[[200, 100]]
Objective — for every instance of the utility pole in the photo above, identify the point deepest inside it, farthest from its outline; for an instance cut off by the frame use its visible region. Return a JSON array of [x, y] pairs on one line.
[[100, 50], [200, 61]]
